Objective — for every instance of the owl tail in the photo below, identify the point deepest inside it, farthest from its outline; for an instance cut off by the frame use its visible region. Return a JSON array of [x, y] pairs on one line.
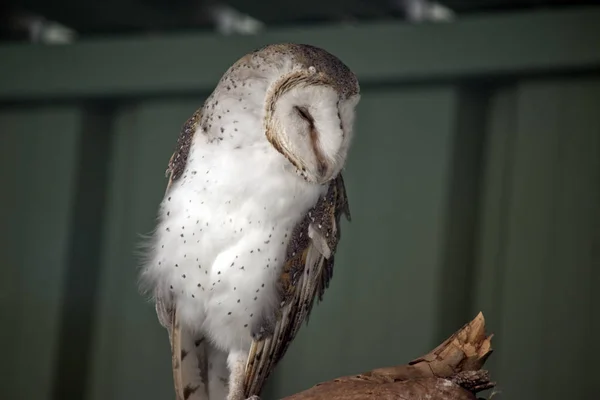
[[189, 363]]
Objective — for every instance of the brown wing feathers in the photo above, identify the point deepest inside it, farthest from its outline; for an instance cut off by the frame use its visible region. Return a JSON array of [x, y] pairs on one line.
[[305, 276], [179, 158]]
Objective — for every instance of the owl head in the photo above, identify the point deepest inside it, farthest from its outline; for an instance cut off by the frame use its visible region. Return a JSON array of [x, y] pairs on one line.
[[309, 98]]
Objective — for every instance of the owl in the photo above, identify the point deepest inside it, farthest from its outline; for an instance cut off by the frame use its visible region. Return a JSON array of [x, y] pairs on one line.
[[250, 221]]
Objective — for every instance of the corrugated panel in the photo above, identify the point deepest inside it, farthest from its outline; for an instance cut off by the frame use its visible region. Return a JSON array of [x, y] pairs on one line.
[[540, 237], [38, 160]]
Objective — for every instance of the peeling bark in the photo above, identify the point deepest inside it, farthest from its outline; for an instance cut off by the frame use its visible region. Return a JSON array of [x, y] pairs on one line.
[[451, 371]]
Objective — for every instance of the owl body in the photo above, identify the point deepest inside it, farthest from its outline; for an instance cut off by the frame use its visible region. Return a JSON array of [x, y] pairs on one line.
[[248, 225], [223, 232]]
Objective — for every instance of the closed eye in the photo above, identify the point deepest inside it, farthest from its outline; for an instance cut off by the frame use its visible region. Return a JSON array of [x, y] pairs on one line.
[[314, 140], [305, 114]]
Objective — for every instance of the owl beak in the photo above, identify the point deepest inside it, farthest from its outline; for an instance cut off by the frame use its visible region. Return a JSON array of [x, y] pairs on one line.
[[325, 173], [322, 169]]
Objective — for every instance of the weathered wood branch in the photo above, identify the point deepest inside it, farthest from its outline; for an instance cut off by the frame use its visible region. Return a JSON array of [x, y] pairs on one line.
[[451, 371]]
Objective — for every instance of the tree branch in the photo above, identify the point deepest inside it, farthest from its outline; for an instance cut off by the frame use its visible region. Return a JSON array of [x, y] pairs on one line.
[[451, 371]]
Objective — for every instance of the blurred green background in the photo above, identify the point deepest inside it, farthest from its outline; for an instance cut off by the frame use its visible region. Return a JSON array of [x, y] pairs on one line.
[[474, 184]]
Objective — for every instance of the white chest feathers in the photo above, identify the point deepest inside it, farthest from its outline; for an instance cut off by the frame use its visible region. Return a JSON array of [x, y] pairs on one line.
[[223, 231]]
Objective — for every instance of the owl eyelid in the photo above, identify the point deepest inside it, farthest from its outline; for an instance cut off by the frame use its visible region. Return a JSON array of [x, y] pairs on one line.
[[305, 114]]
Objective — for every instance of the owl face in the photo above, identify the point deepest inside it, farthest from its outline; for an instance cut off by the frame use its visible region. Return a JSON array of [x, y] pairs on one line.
[[311, 123], [306, 99]]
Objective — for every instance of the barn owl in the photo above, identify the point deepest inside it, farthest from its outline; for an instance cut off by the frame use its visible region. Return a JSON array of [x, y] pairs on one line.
[[249, 223]]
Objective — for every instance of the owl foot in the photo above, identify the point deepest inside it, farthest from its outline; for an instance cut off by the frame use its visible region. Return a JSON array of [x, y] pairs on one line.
[[255, 397]]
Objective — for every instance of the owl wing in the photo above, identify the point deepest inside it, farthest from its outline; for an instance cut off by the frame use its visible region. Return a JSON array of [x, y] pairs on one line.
[[186, 375], [305, 276]]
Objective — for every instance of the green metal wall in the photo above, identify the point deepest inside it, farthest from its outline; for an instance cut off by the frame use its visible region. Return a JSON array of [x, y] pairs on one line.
[[474, 183]]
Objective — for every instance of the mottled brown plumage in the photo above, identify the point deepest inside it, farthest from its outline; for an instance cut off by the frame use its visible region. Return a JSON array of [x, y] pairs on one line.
[[179, 158]]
